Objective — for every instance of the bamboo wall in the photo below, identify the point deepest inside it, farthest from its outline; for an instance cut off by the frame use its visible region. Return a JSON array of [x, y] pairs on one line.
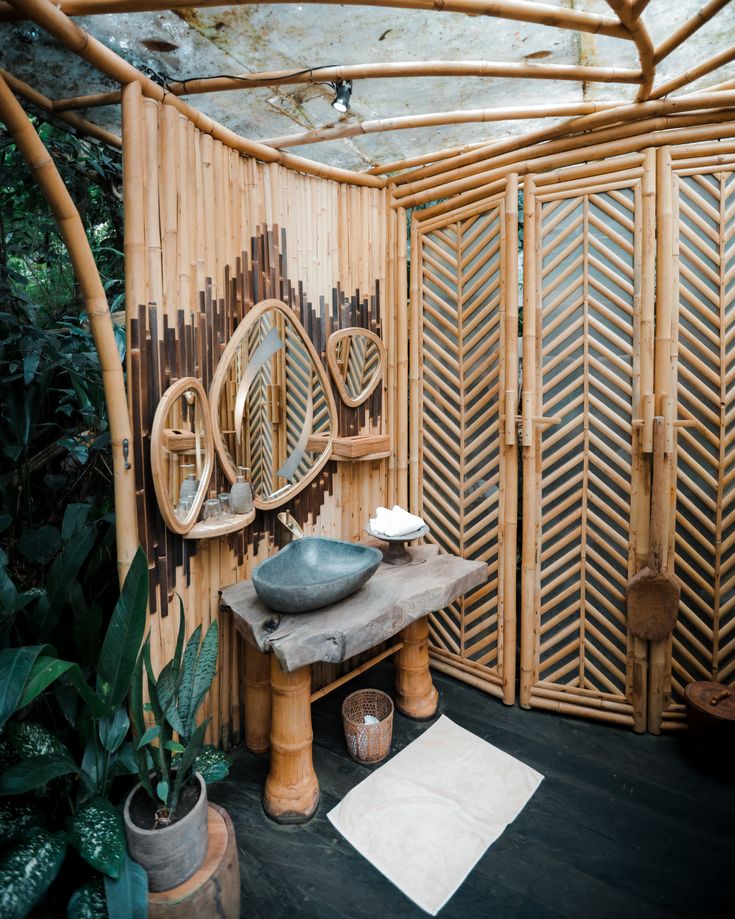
[[210, 233]]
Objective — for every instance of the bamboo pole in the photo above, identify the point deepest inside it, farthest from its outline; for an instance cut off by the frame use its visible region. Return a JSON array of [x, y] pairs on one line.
[[60, 27], [694, 73], [688, 28], [633, 112], [403, 370], [405, 69], [422, 160], [508, 512], [414, 337], [43, 102], [516, 10], [90, 100], [472, 116], [100, 322], [639, 33]]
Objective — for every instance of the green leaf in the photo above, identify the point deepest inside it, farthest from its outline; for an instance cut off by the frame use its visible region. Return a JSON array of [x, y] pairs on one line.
[[166, 689], [5, 521], [153, 733], [187, 681], [174, 746], [30, 739], [136, 693], [16, 665], [114, 730], [9, 598], [143, 765], [162, 791], [34, 772], [179, 644], [212, 764], [98, 835], [21, 889], [76, 678], [128, 895], [75, 517], [124, 636], [38, 545], [125, 762], [16, 817], [87, 902], [205, 669], [184, 765], [63, 574], [93, 766], [45, 671]]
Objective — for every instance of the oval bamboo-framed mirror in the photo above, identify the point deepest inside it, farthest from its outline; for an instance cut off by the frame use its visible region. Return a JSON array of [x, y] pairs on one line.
[[273, 411], [356, 360], [182, 444]]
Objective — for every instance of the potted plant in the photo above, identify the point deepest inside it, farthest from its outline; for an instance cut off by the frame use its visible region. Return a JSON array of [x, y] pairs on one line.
[[165, 815]]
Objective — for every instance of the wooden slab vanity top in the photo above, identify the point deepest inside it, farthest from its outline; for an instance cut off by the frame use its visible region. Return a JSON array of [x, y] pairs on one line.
[[392, 599]]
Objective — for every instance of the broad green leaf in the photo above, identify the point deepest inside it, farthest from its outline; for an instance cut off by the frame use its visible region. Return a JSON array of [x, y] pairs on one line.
[[34, 772], [178, 653], [16, 665], [153, 733], [124, 636], [174, 746], [212, 764], [16, 816], [125, 762], [87, 902], [98, 835], [143, 765], [8, 594], [63, 573], [205, 669], [38, 545], [87, 625], [187, 681], [184, 765], [45, 671], [166, 689], [30, 739], [75, 517], [162, 759], [136, 694], [93, 765], [114, 730], [127, 896], [162, 791], [21, 889], [76, 678]]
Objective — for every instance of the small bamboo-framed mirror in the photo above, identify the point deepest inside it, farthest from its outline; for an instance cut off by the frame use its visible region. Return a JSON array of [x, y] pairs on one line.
[[356, 360], [272, 406], [181, 444]]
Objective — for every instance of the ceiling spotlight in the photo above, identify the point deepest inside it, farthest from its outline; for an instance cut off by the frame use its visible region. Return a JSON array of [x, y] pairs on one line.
[[343, 91]]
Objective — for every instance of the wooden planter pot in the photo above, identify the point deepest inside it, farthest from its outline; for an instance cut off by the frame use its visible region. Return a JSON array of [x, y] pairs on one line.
[[172, 854]]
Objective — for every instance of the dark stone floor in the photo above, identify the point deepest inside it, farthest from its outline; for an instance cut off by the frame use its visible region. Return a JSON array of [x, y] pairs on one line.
[[622, 825]]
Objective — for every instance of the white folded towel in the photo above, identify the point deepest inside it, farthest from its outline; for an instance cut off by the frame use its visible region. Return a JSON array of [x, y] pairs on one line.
[[395, 522]]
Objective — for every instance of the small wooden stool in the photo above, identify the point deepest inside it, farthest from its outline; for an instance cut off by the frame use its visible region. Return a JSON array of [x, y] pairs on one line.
[[214, 890]]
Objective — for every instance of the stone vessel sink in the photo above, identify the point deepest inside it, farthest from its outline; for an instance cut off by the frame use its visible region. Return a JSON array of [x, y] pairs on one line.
[[313, 572]]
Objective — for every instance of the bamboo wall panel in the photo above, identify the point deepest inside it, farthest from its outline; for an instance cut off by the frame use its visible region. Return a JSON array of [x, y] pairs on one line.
[[462, 342], [703, 642], [587, 273], [221, 233]]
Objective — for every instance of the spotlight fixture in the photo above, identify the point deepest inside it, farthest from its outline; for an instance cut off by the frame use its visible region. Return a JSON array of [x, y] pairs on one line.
[[343, 91]]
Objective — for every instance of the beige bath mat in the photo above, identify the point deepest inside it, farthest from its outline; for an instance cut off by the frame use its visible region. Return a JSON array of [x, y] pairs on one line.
[[426, 817]]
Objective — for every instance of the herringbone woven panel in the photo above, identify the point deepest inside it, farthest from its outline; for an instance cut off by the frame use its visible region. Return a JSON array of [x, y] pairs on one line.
[[703, 643], [588, 278], [462, 466]]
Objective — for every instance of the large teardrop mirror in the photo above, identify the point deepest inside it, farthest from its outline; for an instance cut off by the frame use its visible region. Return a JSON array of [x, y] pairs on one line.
[[273, 410], [356, 360], [182, 453]]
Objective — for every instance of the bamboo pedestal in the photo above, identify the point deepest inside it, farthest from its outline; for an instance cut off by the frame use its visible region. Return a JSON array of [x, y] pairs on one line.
[[291, 789], [214, 890], [257, 699], [416, 695]]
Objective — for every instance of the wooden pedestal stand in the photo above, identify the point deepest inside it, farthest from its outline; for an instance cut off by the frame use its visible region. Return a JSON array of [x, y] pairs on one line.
[[257, 699], [214, 890], [416, 695]]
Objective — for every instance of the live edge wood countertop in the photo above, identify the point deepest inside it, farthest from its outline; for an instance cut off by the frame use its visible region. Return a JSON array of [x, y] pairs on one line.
[[393, 598]]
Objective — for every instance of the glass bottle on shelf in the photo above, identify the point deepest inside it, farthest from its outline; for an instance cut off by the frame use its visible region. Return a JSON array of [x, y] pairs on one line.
[[241, 493]]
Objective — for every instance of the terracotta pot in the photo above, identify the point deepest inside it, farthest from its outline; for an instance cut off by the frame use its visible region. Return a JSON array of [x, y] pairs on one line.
[[171, 854]]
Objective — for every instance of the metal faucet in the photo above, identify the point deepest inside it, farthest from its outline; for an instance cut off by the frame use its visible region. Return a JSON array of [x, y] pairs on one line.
[[293, 528]]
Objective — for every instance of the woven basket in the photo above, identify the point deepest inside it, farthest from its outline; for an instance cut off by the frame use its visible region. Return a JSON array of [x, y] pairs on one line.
[[368, 743]]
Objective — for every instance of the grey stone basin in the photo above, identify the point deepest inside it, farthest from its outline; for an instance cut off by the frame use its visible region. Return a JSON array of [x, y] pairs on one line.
[[313, 572]]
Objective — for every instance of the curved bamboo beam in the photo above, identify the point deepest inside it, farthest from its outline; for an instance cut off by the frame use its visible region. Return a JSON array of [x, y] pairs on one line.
[[694, 73], [44, 103], [60, 27], [98, 313], [423, 159], [91, 100], [517, 10], [639, 33], [687, 29], [472, 116], [404, 69], [417, 179]]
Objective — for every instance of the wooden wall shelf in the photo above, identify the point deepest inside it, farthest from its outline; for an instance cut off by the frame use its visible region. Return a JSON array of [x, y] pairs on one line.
[[359, 447], [207, 529]]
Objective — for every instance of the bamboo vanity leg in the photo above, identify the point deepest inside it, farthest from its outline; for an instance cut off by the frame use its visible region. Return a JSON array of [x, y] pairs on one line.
[[415, 693], [257, 699], [291, 789]]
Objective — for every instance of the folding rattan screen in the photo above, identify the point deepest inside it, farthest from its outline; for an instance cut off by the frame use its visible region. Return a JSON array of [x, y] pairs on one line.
[[587, 357], [701, 242], [465, 324]]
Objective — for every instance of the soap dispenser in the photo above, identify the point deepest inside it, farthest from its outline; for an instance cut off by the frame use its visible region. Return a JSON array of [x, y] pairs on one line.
[[241, 493], [190, 484]]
